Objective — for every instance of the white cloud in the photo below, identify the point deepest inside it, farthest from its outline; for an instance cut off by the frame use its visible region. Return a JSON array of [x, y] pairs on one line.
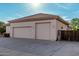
[[6, 19], [19, 15], [66, 18], [66, 7], [9, 18]]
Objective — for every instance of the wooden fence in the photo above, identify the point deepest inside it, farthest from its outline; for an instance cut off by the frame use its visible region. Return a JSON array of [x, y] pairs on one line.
[[68, 35]]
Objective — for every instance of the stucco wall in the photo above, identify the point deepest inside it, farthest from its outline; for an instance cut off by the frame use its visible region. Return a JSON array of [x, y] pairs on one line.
[[52, 30], [61, 26], [7, 29], [54, 27], [22, 24]]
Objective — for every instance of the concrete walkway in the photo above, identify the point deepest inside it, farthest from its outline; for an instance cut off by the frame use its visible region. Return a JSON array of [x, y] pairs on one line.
[[30, 47]]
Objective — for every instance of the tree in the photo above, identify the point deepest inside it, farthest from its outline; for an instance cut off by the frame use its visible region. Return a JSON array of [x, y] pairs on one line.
[[2, 27], [2, 30], [75, 23]]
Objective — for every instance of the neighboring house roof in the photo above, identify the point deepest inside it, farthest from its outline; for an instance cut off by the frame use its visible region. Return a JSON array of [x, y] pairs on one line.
[[37, 17]]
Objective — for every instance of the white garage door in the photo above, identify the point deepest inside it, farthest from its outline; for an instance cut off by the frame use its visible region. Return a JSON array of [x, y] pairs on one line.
[[22, 32], [43, 31]]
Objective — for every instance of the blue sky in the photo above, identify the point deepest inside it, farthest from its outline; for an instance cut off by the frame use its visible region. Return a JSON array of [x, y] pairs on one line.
[[10, 11]]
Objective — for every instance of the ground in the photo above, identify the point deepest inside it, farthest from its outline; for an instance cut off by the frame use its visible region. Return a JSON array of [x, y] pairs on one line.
[[30, 47]]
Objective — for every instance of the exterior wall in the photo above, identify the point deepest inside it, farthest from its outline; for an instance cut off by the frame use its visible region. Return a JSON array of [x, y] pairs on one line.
[[22, 24], [7, 29], [52, 29], [61, 26]]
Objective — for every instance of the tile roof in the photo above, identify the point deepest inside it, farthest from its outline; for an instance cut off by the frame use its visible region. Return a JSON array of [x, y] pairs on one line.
[[37, 17]]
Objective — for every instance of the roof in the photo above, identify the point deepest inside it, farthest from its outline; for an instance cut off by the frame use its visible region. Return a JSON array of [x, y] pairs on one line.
[[37, 17]]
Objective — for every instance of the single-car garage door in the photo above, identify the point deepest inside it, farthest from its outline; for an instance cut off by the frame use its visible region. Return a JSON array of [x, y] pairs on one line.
[[22, 32], [43, 31]]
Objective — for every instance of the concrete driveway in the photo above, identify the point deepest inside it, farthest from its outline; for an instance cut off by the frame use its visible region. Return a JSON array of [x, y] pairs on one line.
[[29, 47]]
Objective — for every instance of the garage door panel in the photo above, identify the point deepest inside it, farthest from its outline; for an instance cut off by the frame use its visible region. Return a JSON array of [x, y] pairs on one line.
[[43, 31], [22, 32]]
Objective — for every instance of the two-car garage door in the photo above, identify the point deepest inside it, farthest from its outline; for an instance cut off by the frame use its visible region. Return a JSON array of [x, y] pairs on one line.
[[42, 31], [22, 32]]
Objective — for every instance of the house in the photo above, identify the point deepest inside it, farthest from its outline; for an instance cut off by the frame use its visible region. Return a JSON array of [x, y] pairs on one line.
[[7, 28], [38, 26]]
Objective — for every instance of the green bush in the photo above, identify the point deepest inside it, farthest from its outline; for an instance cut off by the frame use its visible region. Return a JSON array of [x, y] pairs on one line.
[[2, 30]]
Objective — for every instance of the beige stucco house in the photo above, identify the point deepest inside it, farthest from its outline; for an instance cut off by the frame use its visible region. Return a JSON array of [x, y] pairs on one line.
[[38, 26]]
